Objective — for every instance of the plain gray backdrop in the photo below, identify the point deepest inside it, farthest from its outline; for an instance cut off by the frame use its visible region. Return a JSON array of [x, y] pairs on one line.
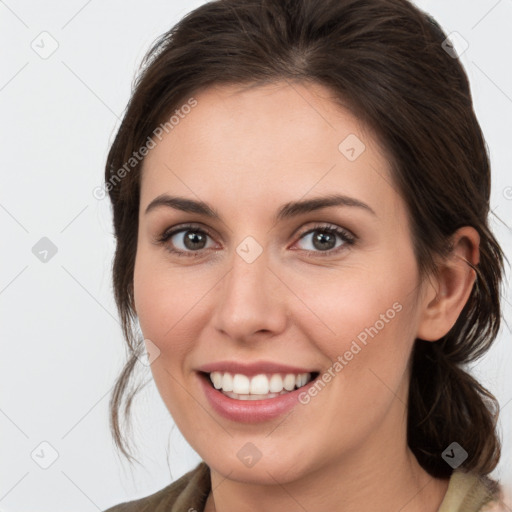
[[66, 75]]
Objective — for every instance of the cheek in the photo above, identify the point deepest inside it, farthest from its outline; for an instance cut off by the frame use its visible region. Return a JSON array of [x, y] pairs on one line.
[[374, 322], [167, 306], [360, 302], [369, 317], [169, 302]]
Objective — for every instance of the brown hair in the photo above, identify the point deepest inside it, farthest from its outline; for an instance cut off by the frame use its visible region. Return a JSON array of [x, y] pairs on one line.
[[385, 60]]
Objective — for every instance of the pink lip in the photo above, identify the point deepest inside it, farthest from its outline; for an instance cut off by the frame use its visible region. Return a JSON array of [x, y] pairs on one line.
[[251, 369], [251, 411]]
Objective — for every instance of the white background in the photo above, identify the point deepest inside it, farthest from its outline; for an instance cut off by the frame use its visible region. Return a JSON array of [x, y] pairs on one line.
[[61, 342]]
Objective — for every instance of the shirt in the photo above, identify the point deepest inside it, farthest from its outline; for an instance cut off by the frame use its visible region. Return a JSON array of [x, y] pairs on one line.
[[466, 493]]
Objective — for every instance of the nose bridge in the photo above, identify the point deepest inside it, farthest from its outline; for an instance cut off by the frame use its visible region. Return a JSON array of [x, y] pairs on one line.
[[248, 302]]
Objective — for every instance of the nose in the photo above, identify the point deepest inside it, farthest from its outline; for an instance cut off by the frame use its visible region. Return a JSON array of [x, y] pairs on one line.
[[250, 301]]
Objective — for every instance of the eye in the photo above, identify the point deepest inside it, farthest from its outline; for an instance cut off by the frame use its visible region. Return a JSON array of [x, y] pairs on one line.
[[191, 240], [322, 238], [185, 240]]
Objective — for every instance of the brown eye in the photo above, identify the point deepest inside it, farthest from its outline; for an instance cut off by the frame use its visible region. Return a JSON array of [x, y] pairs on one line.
[[194, 240], [185, 240], [324, 239]]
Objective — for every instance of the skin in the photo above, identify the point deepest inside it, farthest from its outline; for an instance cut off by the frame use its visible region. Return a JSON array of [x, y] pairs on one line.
[[246, 152]]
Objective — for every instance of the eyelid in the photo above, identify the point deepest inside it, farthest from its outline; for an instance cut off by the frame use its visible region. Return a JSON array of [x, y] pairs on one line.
[[168, 232]]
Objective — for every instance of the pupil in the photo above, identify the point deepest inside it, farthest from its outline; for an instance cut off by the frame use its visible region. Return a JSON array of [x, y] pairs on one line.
[[192, 239], [323, 237]]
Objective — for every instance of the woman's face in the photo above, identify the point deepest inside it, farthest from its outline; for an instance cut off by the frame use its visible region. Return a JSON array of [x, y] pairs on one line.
[[268, 281]]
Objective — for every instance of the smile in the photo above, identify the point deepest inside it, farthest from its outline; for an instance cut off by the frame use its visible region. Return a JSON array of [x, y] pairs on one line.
[[258, 387], [255, 400]]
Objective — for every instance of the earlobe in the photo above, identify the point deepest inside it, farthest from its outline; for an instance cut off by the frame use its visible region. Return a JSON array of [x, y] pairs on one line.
[[449, 290]]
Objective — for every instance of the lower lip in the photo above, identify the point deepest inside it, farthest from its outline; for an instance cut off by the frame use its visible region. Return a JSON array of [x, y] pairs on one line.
[[251, 411]]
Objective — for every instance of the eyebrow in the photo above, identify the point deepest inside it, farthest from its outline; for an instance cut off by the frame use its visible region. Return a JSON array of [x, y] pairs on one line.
[[287, 211]]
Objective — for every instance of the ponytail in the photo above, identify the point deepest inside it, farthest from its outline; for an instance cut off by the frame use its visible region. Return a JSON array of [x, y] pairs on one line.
[[448, 405]]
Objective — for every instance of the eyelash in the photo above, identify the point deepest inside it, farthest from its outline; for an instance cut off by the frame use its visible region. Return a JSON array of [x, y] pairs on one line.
[[347, 237]]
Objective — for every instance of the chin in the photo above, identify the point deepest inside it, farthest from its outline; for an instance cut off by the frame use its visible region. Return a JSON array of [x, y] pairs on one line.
[[265, 471]]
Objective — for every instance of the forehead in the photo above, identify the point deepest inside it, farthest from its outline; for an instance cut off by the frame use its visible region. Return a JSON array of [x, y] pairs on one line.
[[266, 141], [271, 114]]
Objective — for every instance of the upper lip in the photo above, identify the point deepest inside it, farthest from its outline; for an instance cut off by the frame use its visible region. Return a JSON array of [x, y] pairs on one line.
[[251, 369]]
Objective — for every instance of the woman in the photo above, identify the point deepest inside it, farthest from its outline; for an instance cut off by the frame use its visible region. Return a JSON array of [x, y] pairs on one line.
[[300, 194]]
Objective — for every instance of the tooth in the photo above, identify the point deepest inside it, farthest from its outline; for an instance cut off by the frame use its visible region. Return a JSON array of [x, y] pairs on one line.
[[241, 384], [268, 396], [289, 382], [259, 385], [227, 382], [216, 378], [276, 383]]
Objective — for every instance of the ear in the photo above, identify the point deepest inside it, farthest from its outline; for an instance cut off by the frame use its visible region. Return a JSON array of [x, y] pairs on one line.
[[446, 294]]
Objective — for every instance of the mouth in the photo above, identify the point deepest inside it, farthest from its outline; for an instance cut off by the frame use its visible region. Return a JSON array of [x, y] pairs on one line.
[[263, 386]]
